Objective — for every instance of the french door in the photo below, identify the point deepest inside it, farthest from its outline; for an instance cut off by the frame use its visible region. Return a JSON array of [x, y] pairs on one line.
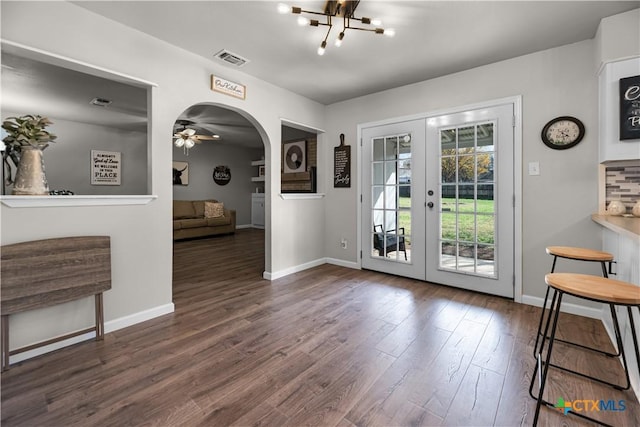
[[437, 201]]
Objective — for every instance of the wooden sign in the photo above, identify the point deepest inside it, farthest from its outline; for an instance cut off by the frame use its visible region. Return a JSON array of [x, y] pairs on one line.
[[105, 167], [342, 165], [218, 84], [630, 108]]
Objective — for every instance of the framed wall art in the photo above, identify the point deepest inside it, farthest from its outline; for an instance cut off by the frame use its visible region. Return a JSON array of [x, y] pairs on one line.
[[295, 156], [180, 173]]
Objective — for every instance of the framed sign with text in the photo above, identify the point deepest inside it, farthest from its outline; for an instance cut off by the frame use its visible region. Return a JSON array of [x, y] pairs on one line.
[[630, 108], [105, 167], [342, 165]]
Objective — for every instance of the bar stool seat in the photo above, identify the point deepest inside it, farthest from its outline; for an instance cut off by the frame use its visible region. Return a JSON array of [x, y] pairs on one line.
[[594, 288], [581, 254], [577, 254]]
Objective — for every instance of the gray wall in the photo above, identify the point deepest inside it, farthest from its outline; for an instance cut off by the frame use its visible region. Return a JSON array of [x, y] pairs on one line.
[[67, 161], [558, 203], [237, 193]]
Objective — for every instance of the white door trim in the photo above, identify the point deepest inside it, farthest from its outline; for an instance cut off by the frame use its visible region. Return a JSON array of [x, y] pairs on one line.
[[517, 170]]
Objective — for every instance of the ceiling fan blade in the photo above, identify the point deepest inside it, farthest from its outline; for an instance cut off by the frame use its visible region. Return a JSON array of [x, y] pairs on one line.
[[206, 137]]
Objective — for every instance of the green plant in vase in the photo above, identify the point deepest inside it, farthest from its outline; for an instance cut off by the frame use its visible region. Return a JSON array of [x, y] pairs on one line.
[[25, 140]]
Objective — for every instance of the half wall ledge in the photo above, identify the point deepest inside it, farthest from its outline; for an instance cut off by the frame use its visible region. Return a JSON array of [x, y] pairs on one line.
[[60, 201]]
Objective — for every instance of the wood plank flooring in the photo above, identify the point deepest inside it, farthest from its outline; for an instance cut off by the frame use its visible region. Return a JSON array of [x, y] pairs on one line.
[[329, 346]]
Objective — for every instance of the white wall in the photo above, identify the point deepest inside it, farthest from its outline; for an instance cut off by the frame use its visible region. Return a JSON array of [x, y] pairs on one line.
[[618, 37], [557, 204], [237, 193], [142, 235]]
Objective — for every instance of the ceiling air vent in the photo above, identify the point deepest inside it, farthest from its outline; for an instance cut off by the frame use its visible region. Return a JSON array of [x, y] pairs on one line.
[[100, 102], [230, 58]]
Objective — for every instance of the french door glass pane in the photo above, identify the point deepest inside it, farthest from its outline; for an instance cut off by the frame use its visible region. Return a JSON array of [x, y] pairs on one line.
[[467, 205], [391, 198]]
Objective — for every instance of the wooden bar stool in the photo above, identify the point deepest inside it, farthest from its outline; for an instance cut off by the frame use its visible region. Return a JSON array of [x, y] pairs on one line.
[[593, 288], [578, 254]]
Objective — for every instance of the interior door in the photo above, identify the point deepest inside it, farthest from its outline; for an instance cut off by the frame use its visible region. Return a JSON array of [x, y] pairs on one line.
[[393, 203], [470, 200]]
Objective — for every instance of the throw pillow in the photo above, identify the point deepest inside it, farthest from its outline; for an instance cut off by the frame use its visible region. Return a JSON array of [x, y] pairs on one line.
[[213, 210]]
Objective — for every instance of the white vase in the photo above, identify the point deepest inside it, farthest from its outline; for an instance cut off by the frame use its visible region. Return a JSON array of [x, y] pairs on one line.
[[616, 207], [636, 209]]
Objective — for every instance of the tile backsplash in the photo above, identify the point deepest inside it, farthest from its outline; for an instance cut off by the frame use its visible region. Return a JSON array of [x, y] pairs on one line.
[[623, 183]]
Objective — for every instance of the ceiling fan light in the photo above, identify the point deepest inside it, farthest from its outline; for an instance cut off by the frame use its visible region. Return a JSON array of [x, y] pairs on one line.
[[189, 143], [179, 142], [189, 132]]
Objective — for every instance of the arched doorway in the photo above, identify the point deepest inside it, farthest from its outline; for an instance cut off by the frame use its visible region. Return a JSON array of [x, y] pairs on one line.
[[219, 153]]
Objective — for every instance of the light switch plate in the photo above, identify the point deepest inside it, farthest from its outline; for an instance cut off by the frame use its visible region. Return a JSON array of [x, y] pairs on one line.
[[534, 168]]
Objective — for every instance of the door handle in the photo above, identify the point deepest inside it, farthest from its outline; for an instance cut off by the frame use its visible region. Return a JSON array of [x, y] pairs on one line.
[[430, 205]]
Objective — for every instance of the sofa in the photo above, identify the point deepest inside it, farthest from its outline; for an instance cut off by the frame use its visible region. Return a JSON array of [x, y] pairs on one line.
[[190, 219]]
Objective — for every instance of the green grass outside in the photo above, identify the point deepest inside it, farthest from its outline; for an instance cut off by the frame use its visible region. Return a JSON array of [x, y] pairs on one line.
[[485, 223]]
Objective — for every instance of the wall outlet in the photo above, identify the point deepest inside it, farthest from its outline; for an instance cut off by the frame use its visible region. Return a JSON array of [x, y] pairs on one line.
[[343, 243]]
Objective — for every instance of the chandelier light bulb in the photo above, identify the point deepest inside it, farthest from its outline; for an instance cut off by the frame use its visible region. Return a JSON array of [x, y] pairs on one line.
[[377, 22], [389, 32], [283, 8], [302, 21], [339, 39], [322, 48]]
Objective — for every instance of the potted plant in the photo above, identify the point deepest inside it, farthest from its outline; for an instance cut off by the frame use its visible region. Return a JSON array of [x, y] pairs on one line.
[[25, 140]]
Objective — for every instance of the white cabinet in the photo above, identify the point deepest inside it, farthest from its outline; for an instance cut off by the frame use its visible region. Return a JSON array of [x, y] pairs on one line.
[[611, 147], [626, 251], [257, 210]]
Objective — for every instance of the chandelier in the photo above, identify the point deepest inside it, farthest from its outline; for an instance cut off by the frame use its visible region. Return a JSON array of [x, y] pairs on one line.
[[334, 10]]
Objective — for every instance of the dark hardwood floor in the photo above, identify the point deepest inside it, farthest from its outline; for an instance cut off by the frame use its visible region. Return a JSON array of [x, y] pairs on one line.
[[329, 346]]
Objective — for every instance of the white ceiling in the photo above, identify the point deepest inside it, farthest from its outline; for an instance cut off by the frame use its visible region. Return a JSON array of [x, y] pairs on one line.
[[433, 38]]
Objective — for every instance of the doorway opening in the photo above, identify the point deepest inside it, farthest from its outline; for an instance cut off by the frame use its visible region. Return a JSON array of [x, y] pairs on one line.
[[219, 163]]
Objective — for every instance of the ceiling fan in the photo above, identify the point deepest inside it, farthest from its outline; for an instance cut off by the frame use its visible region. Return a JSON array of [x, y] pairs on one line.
[[187, 137]]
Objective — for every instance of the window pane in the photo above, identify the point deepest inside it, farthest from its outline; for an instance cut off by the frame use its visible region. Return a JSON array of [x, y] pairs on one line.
[[448, 169], [486, 229], [467, 257], [466, 139], [466, 169], [448, 226], [484, 167], [390, 197], [448, 142], [378, 173], [391, 148], [466, 198], [377, 199], [485, 137], [466, 227], [378, 149]]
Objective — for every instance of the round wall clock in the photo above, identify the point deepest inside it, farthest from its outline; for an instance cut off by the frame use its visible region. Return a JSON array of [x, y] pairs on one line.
[[562, 132]]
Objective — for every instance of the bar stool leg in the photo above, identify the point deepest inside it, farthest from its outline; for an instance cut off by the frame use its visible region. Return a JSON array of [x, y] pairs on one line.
[[546, 298], [545, 368]]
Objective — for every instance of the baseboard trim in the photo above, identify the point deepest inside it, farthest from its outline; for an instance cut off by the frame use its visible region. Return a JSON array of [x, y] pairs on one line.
[[343, 263], [594, 313], [110, 326], [295, 269], [241, 226]]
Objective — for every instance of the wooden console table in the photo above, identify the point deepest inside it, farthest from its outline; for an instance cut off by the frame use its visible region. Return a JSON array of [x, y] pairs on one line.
[[42, 273]]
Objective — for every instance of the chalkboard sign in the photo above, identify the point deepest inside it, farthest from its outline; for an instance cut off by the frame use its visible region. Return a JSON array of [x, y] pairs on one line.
[[342, 165], [222, 175], [630, 108]]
